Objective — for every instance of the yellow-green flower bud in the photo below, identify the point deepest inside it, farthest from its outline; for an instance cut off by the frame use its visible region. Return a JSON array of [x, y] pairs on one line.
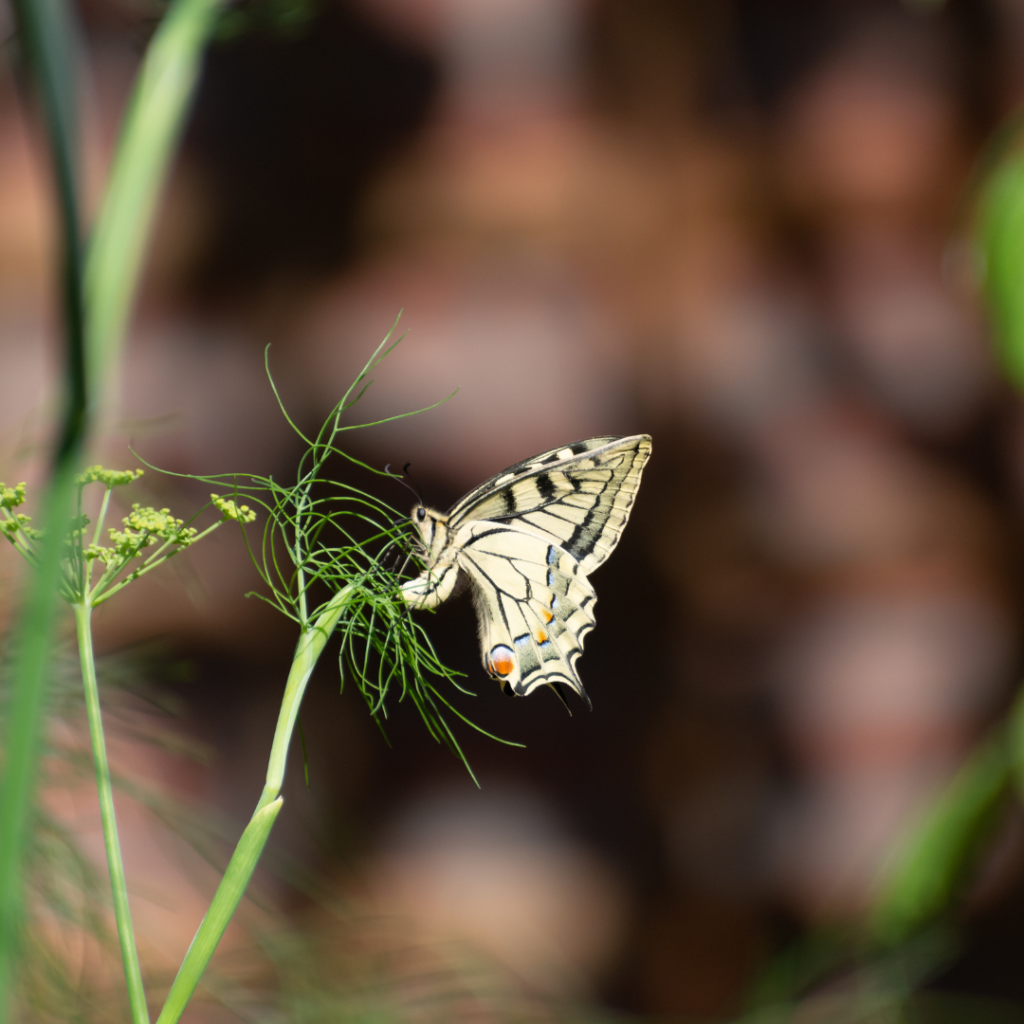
[[12, 497], [108, 477], [105, 555], [229, 510]]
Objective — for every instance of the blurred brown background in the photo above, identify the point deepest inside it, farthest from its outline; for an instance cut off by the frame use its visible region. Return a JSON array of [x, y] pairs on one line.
[[739, 226]]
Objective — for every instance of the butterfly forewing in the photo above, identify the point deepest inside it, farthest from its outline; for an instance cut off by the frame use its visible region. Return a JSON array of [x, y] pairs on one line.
[[581, 500], [464, 507]]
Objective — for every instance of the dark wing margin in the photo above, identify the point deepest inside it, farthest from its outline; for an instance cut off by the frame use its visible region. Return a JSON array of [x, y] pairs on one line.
[[533, 464]]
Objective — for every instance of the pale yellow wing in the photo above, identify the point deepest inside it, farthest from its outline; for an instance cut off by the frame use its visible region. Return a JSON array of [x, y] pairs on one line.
[[580, 496], [534, 603]]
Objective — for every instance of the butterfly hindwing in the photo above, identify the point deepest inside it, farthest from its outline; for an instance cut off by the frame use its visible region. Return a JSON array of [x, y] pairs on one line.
[[535, 607]]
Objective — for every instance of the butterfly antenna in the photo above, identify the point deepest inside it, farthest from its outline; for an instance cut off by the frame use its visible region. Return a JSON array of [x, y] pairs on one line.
[[415, 488], [405, 483]]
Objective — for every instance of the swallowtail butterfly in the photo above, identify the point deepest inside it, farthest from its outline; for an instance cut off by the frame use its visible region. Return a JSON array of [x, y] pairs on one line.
[[528, 539]]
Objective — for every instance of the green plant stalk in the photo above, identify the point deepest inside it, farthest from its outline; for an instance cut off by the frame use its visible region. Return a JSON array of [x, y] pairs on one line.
[[307, 653], [32, 644], [229, 894], [122, 914], [153, 124], [247, 853], [1001, 238], [46, 36]]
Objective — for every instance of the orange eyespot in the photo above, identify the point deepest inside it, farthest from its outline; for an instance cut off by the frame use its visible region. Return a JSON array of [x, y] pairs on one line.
[[501, 661], [546, 615], [542, 637]]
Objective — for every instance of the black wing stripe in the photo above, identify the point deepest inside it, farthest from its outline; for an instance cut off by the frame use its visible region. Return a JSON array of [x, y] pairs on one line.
[[464, 507]]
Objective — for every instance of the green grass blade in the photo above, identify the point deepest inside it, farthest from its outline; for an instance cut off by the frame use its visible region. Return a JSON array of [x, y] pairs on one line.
[[229, 894], [1001, 237], [152, 127], [46, 34], [32, 645], [936, 860]]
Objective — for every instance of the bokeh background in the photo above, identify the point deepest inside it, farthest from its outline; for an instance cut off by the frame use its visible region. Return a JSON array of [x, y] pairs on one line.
[[742, 226]]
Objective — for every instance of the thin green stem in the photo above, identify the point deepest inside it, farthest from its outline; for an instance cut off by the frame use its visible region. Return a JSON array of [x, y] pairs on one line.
[[106, 589], [122, 913], [158, 557], [103, 514], [19, 538], [307, 653], [300, 574], [103, 585]]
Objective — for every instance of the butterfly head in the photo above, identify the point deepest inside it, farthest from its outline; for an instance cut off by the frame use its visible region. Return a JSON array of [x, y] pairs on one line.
[[432, 528]]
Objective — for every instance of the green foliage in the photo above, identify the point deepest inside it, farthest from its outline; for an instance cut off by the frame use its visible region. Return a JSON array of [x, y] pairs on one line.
[[282, 18], [313, 543], [936, 860], [833, 975], [144, 528], [323, 537], [96, 295], [1001, 240]]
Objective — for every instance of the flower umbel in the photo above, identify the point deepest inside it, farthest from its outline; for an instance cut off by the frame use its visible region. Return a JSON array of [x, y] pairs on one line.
[[109, 477], [145, 528]]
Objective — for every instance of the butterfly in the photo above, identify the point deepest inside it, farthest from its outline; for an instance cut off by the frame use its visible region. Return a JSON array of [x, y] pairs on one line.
[[527, 540]]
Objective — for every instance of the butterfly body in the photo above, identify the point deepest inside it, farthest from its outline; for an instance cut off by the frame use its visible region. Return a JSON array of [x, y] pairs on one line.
[[527, 539]]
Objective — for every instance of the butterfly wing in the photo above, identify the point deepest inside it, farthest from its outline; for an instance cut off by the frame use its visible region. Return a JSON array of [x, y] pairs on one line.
[[579, 495], [536, 462], [527, 539], [534, 604]]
